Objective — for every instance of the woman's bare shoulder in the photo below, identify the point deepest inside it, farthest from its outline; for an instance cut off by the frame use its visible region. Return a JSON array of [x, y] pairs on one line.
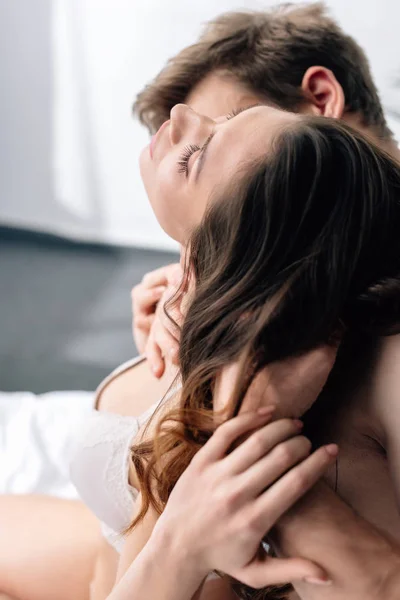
[[133, 391]]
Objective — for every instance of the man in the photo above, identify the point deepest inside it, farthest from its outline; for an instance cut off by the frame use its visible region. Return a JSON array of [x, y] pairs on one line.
[[295, 57]]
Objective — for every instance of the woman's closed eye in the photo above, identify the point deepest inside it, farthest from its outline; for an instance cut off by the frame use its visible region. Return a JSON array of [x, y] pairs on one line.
[[190, 149], [183, 162]]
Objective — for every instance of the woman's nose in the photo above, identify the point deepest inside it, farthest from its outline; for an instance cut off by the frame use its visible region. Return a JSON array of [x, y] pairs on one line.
[[188, 124]]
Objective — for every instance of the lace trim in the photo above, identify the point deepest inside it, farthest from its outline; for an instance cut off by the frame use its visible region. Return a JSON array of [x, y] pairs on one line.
[[118, 433]]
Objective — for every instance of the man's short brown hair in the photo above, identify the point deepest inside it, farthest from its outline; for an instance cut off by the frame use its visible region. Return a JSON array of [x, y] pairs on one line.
[[269, 52]]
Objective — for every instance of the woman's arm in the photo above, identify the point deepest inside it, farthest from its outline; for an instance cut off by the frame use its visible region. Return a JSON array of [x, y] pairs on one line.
[[153, 564], [163, 572], [160, 571]]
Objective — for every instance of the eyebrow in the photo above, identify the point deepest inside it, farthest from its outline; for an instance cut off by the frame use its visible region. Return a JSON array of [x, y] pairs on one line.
[[202, 156]]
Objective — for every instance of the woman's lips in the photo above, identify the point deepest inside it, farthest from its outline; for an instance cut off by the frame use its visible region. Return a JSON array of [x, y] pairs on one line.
[[156, 136]]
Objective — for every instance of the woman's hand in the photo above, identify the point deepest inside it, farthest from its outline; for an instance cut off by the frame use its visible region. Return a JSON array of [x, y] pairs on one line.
[[224, 503], [154, 334], [162, 347]]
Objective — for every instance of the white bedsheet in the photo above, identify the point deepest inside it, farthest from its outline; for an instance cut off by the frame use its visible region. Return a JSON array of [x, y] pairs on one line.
[[37, 436]]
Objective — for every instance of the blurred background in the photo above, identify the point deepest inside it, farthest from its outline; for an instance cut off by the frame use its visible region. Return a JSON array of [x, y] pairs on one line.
[[76, 231]]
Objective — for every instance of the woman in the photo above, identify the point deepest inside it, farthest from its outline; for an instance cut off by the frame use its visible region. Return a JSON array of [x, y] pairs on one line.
[[266, 128], [291, 225]]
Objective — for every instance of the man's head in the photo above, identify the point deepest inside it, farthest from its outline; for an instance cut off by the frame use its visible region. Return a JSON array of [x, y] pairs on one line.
[[294, 57]]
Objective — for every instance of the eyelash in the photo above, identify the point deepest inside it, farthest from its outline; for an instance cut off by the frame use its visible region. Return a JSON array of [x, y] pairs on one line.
[[183, 162], [236, 112]]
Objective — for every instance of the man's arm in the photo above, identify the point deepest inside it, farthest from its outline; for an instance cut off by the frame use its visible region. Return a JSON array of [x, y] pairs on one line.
[[321, 527], [362, 562]]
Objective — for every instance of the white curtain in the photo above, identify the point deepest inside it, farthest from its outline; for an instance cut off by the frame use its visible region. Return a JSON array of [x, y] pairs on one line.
[[70, 70]]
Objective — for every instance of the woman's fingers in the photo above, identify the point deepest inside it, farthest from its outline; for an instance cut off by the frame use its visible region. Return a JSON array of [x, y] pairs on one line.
[[154, 356], [144, 322], [277, 571], [259, 443], [279, 497], [161, 344], [156, 277], [227, 433], [145, 300], [274, 465]]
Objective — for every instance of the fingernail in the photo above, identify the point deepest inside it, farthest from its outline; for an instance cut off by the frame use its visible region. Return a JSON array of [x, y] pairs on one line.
[[332, 449], [316, 581], [299, 424]]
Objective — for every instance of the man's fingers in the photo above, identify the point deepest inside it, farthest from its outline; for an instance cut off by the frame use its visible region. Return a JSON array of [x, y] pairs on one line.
[[281, 496], [278, 571]]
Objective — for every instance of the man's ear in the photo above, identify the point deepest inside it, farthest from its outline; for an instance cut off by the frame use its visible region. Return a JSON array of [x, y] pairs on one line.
[[323, 92]]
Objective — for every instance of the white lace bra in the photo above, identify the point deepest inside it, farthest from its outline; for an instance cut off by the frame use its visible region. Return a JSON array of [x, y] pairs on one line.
[[100, 464]]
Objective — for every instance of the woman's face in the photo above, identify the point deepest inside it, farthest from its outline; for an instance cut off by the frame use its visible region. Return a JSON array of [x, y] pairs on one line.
[[191, 154]]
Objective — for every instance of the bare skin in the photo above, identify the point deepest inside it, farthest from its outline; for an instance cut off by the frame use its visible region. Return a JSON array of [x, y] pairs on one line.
[[33, 570], [119, 397], [20, 578], [71, 546], [364, 481], [352, 434]]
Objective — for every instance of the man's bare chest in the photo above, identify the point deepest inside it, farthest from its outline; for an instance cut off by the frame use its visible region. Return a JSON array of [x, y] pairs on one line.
[[361, 475]]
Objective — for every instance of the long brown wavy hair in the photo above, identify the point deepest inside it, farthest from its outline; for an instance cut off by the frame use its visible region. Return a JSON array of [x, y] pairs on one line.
[[306, 244]]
